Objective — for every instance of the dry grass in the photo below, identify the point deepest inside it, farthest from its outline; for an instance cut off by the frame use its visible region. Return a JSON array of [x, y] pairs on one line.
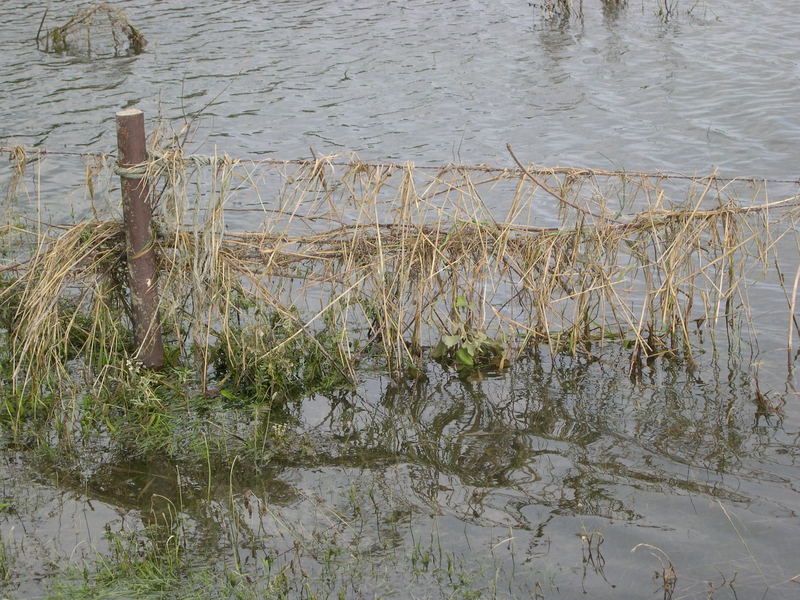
[[335, 259]]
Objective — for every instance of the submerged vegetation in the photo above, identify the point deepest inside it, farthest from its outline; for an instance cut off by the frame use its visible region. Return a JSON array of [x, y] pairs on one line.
[[98, 29], [389, 297], [563, 11], [345, 263], [399, 381], [376, 493]]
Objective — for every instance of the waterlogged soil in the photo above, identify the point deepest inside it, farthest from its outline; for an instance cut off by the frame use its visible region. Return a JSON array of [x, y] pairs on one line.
[[556, 478]]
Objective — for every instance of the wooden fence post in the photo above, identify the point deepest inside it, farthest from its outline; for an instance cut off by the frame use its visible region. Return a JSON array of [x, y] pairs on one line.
[[137, 211]]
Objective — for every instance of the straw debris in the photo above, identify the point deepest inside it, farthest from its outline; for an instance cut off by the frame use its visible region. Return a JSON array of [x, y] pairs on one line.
[[349, 262], [99, 29]]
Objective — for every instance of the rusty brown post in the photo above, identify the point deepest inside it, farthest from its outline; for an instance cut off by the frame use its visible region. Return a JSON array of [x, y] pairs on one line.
[[137, 211]]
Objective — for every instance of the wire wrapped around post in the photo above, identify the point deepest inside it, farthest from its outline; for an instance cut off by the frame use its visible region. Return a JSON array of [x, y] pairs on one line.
[[137, 211]]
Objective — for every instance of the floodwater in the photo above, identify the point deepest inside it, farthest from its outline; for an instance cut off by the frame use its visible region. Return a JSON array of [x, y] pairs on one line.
[[432, 81], [546, 479]]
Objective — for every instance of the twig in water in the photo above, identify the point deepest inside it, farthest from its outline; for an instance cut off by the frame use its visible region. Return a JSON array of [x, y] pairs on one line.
[[41, 24], [793, 316]]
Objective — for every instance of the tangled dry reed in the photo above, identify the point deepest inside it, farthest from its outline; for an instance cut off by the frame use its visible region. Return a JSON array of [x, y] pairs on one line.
[[98, 28], [268, 265]]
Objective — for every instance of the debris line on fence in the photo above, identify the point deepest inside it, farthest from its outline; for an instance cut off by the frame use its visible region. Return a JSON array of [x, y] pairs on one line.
[[351, 261]]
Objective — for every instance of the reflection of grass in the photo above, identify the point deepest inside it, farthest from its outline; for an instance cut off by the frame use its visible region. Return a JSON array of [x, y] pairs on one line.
[[560, 11], [243, 501]]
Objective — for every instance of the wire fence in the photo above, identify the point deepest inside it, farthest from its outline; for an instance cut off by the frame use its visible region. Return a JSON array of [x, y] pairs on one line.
[[34, 153], [475, 263]]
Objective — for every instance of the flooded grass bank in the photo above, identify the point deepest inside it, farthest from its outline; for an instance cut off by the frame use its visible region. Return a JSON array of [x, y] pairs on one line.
[[378, 386], [276, 275], [588, 410]]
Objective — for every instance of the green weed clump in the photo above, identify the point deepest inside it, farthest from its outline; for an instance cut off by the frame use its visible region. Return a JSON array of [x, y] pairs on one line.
[[467, 348], [273, 358]]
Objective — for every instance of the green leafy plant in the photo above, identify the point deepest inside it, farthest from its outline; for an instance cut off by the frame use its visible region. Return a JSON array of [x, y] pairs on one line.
[[467, 347]]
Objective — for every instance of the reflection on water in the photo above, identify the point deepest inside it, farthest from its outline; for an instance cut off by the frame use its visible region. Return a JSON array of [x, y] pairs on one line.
[[557, 447]]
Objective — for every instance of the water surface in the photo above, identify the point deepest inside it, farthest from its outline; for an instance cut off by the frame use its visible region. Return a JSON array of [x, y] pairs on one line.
[[512, 470]]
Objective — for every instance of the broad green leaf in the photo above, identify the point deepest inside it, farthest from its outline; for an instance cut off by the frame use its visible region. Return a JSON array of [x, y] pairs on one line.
[[451, 340], [464, 357]]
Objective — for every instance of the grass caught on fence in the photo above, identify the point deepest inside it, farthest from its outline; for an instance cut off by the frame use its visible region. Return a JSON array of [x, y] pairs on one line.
[[278, 276]]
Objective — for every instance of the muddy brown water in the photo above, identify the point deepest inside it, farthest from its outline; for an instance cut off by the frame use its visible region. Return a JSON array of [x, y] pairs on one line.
[[517, 474]]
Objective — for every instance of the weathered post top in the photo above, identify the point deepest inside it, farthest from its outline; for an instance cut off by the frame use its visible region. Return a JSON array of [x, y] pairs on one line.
[[131, 144]]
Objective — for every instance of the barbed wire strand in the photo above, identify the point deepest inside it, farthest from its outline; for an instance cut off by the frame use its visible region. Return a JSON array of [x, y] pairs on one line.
[[199, 160]]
